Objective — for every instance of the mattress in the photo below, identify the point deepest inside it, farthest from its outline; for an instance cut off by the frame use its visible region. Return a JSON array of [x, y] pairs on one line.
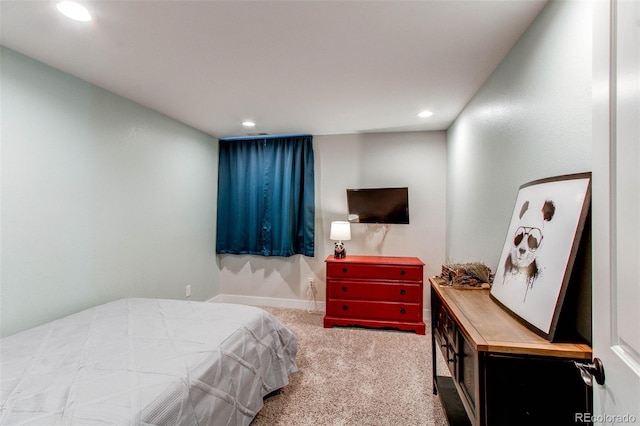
[[146, 362]]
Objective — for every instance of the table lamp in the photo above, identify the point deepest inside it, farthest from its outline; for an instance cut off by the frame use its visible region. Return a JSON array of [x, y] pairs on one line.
[[340, 231]]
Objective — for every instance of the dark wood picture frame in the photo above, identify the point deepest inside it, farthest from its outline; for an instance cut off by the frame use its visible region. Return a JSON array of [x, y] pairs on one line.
[[540, 250]]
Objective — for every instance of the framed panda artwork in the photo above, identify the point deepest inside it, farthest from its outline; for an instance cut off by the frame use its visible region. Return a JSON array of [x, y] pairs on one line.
[[540, 249]]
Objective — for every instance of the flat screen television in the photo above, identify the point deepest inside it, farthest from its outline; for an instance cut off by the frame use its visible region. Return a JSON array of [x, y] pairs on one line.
[[378, 205]]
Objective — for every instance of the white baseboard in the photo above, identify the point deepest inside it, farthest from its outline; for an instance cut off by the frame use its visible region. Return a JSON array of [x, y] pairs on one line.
[[280, 303], [269, 301]]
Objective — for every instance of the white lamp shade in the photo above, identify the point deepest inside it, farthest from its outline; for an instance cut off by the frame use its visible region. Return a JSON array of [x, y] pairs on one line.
[[340, 231]]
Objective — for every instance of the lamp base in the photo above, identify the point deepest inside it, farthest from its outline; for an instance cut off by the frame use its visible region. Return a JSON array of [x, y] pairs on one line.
[[339, 251]]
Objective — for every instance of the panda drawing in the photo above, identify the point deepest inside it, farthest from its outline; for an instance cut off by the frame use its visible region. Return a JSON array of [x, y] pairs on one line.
[[527, 240]]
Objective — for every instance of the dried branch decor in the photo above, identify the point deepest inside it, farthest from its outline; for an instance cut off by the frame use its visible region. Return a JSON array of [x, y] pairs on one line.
[[471, 275]]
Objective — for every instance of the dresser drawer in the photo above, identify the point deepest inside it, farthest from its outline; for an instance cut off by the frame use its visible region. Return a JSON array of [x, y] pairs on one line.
[[366, 309], [392, 292], [444, 323], [378, 272], [467, 367]]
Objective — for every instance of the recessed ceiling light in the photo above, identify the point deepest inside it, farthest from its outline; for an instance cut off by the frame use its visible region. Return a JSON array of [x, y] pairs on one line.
[[425, 114], [248, 123], [74, 10]]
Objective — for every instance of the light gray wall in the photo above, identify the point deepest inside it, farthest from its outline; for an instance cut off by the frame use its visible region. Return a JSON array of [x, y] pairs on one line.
[[101, 198], [414, 159], [530, 120]]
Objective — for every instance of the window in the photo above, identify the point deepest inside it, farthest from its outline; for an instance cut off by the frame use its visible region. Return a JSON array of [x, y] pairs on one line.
[[266, 197]]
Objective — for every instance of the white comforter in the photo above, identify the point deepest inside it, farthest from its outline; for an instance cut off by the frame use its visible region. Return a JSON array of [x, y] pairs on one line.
[[146, 361]]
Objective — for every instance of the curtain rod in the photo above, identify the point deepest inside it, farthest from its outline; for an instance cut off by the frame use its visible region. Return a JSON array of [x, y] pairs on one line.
[[240, 138]]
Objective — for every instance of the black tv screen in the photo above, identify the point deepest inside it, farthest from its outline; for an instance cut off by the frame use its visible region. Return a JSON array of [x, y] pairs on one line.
[[378, 205]]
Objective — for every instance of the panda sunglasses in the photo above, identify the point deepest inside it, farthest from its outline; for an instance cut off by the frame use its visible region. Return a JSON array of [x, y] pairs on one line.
[[534, 239]]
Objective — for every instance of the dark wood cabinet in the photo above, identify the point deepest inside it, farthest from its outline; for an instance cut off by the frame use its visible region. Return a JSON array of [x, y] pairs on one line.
[[501, 372], [375, 291]]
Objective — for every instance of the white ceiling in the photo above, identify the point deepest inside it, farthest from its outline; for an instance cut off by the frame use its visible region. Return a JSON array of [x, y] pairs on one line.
[[320, 67]]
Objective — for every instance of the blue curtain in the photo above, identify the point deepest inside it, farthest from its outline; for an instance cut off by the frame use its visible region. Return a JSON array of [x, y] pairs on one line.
[[266, 196]]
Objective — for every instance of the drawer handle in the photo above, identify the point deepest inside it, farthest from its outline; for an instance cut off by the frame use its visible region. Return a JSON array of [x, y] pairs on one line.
[[403, 311], [344, 288], [403, 292], [344, 307], [402, 272], [344, 270]]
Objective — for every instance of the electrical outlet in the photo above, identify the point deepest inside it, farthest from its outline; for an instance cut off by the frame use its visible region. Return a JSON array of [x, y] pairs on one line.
[[187, 290], [311, 284]]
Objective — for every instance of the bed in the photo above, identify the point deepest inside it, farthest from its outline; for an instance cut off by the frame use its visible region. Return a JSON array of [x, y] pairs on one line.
[[146, 362]]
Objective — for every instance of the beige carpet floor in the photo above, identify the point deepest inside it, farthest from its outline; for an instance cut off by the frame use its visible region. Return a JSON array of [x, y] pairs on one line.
[[354, 376]]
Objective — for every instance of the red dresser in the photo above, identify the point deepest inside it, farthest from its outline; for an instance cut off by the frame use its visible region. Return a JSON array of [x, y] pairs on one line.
[[375, 291]]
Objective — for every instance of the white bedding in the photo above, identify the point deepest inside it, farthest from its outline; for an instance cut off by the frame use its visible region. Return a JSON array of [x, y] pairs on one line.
[[146, 361]]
